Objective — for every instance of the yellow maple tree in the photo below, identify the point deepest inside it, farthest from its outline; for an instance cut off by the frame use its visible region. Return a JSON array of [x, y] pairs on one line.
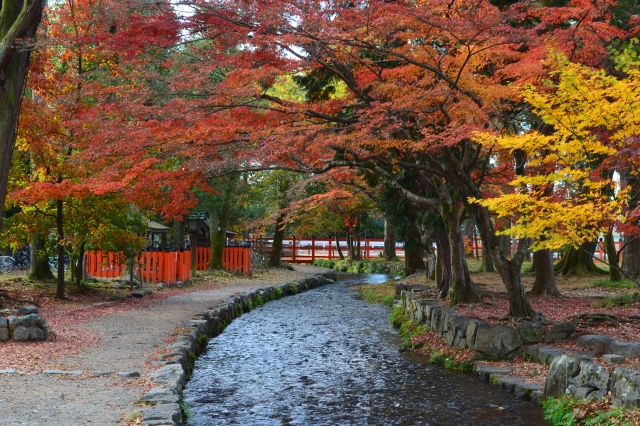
[[571, 193]]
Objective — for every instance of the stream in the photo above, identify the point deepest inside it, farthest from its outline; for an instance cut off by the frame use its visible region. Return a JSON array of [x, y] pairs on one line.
[[324, 357]]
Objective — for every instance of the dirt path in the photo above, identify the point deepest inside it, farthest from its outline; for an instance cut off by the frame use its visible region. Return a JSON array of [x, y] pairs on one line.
[[128, 340]]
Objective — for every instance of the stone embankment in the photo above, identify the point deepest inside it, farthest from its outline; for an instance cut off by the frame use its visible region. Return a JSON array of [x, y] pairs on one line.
[[22, 324], [163, 402], [570, 373]]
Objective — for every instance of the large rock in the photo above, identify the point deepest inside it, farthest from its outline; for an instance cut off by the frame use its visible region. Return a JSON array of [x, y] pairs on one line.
[[531, 332], [561, 332], [598, 342], [627, 350], [13, 321], [497, 340], [21, 333], [472, 329], [625, 387], [161, 395], [4, 334], [26, 310], [30, 320], [592, 378], [166, 412], [561, 371], [3, 323]]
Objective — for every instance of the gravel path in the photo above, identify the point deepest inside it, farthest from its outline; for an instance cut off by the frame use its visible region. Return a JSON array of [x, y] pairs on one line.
[[127, 342]]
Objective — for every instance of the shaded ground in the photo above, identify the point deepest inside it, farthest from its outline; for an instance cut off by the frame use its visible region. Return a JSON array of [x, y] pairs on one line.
[[120, 337]]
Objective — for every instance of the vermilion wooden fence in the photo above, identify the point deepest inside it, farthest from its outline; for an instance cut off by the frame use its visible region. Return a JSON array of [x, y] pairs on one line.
[[295, 250], [152, 266], [234, 259], [169, 266], [105, 265]]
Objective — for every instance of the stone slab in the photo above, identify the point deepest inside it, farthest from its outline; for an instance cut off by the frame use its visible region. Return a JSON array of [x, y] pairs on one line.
[[613, 359], [63, 372], [128, 373]]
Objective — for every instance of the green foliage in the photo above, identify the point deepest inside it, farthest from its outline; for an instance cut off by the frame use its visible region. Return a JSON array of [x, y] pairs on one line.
[[367, 266], [378, 293], [398, 316], [623, 299], [202, 340], [614, 284], [294, 288], [324, 263], [239, 310], [562, 411], [259, 299], [250, 305], [186, 410], [388, 300], [449, 363], [279, 293]]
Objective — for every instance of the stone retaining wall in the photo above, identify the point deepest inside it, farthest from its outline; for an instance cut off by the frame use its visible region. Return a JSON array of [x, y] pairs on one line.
[[569, 373], [164, 400], [23, 324]]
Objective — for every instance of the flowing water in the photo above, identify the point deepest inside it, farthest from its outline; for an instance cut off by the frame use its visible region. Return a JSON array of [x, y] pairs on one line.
[[324, 357]]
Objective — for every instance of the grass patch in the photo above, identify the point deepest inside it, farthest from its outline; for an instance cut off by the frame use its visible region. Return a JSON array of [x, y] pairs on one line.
[[565, 411], [378, 293], [135, 415], [368, 266], [614, 284], [185, 410], [259, 299], [293, 288], [449, 363], [624, 299], [279, 293]]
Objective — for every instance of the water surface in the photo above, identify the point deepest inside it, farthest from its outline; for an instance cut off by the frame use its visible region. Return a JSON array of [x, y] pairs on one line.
[[324, 357]]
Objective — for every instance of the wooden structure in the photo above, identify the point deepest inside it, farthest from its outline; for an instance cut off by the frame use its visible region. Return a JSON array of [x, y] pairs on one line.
[[235, 260], [307, 250], [166, 266]]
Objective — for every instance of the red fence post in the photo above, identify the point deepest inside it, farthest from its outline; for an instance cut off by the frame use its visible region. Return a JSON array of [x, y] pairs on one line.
[[293, 254], [313, 249]]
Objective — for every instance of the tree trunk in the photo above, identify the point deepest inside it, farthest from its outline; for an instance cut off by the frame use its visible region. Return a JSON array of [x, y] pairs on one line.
[[443, 264], [413, 254], [350, 249], [19, 20], [389, 242], [505, 244], [338, 248], [218, 224], [615, 274], [487, 261], [357, 238], [508, 269], [461, 290], [59, 226], [545, 283], [39, 269], [275, 259], [579, 262], [631, 256], [177, 233], [80, 266]]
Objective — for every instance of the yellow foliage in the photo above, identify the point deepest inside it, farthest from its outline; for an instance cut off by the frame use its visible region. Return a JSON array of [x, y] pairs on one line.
[[594, 116]]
